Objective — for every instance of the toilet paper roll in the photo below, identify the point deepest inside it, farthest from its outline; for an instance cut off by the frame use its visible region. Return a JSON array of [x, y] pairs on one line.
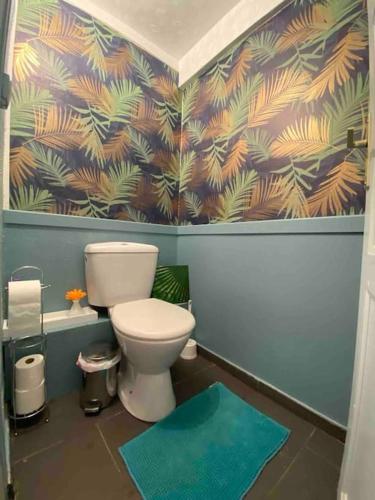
[[24, 308], [30, 401], [29, 372]]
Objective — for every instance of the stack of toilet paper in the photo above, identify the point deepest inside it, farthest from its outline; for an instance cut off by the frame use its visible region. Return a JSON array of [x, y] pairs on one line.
[[30, 394]]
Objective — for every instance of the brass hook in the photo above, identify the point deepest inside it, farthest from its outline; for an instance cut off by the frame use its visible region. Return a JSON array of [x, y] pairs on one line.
[[355, 144]]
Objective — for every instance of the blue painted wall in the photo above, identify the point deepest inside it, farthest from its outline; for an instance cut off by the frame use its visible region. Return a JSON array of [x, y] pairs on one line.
[[56, 243], [277, 298], [280, 300]]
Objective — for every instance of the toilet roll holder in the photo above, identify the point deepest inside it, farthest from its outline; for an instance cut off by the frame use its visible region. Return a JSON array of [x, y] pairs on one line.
[[24, 345]]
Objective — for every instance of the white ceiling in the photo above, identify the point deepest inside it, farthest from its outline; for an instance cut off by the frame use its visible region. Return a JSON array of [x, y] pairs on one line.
[[174, 26]]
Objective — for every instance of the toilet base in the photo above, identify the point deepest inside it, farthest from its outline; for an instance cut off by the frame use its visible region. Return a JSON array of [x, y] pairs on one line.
[[149, 397]]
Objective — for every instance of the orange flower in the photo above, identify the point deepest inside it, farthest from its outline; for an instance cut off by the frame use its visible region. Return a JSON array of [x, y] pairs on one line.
[[75, 294]]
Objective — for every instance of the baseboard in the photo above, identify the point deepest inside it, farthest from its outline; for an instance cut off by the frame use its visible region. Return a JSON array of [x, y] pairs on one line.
[[302, 410]]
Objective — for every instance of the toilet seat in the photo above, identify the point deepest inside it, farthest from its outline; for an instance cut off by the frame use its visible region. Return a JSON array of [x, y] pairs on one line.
[[151, 319]]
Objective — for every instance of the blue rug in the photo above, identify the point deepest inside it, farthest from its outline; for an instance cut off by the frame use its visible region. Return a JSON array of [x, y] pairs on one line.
[[213, 446]]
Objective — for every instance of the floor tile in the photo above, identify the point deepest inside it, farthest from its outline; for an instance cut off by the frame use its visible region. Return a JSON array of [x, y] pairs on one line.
[[183, 369], [66, 419], [118, 430], [327, 447], [308, 478], [269, 477], [80, 469]]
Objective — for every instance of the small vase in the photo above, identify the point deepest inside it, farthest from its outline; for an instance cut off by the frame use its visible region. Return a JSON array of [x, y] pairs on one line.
[[76, 307]]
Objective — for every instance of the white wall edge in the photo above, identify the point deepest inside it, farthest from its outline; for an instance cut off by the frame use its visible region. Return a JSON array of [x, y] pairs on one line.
[[125, 30], [229, 28], [8, 67], [300, 403]]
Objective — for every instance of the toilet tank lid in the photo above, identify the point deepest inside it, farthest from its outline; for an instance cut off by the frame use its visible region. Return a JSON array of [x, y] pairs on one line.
[[120, 247]]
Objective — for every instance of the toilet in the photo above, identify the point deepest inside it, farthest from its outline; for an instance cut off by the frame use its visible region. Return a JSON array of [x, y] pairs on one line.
[[151, 332]]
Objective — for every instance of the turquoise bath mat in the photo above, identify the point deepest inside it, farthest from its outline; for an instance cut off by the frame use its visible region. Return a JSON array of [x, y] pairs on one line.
[[213, 446]]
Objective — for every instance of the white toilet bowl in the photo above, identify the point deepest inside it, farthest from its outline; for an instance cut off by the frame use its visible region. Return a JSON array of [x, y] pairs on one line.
[[152, 334]]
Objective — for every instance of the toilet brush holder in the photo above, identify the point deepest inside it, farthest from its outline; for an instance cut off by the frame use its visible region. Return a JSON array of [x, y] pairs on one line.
[[190, 350]]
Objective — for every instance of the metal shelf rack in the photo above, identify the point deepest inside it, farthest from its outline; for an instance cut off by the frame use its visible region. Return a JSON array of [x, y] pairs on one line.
[[36, 342]]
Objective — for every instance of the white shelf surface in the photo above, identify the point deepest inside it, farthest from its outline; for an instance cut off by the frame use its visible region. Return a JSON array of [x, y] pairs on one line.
[[58, 320]]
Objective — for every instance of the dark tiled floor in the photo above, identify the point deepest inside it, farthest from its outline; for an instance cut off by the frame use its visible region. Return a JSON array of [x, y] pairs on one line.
[[76, 458]]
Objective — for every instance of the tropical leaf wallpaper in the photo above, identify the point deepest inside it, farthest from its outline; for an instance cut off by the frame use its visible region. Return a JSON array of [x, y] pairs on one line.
[[99, 127], [264, 129], [95, 121]]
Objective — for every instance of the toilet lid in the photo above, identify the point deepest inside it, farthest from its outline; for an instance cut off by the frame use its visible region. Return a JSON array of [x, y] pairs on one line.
[[152, 319]]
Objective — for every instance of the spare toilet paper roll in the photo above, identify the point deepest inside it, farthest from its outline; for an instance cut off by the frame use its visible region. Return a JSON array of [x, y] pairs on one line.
[[29, 401], [29, 372], [24, 308]]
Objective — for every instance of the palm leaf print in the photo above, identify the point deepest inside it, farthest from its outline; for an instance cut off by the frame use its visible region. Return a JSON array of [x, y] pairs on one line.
[[167, 117], [295, 203], [236, 158], [263, 46], [190, 96], [123, 181], [259, 142], [142, 149], [266, 198], [236, 196], [218, 126], [185, 171], [307, 26], [94, 93], [145, 120], [99, 127], [167, 88], [237, 109], [57, 128], [338, 66], [118, 64], [193, 204], [22, 164], [96, 39], [29, 12], [51, 165], [92, 181], [118, 145], [26, 99], [133, 214], [196, 131], [213, 160], [275, 94], [93, 128], [239, 70], [60, 33], [55, 69], [142, 67], [317, 23], [31, 199], [26, 61], [336, 189], [125, 97], [305, 139], [164, 186], [216, 83]]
